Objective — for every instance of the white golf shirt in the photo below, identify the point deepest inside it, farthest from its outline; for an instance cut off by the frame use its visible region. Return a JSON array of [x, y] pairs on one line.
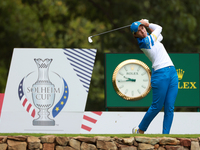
[[154, 49]]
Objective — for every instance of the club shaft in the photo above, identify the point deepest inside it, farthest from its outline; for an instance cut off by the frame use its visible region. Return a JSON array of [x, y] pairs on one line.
[[111, 30]]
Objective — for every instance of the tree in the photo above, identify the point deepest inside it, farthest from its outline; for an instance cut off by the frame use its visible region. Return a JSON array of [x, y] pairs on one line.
[[68, 24]]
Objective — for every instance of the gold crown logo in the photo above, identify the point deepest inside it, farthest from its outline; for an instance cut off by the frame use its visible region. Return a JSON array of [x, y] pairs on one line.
[[180, 73]]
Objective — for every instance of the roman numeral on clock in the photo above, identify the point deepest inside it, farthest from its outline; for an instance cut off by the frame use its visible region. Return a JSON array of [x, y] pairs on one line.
[[143, 73], [126, 91], [121, 73], [139, 91], [138, 69], [125, 68], [121, 86], [132, 93], [144, 86]]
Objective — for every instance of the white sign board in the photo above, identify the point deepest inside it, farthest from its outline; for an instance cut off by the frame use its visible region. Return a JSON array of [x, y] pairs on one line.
[[123, 123], [47, 90]]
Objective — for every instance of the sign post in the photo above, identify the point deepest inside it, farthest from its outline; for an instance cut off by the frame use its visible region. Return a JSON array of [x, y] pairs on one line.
[[187, 66], [47, 90]]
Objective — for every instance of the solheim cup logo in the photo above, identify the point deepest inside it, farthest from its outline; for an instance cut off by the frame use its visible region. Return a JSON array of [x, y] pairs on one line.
[[43, 93]]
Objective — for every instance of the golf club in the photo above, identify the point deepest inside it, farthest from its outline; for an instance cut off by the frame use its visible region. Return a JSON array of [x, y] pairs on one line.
[[90, 37]]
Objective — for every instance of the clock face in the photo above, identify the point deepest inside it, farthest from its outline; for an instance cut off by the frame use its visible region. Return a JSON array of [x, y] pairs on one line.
[[131, 79]]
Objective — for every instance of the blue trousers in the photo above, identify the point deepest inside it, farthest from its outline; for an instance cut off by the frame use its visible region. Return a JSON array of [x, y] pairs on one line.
[[164, 84]]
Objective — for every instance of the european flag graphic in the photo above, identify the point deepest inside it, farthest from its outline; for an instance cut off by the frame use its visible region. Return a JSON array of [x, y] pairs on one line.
[[59, 106]]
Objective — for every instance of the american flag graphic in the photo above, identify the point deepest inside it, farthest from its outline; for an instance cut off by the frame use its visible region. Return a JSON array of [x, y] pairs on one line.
[[90, 120], [1, 101], [25, 103], [59, 106], [82, 61]]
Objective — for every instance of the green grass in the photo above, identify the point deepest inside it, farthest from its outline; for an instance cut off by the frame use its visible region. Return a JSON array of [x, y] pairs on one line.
[[110, 135]]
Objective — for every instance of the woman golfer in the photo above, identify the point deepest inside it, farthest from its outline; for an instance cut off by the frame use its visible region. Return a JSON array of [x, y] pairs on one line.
[[164, 79]]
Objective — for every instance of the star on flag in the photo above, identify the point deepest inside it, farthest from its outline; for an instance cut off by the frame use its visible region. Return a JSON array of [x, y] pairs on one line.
[[59, 106]]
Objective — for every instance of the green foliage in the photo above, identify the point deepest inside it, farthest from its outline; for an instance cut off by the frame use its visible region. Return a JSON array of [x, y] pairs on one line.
[[68, 24]]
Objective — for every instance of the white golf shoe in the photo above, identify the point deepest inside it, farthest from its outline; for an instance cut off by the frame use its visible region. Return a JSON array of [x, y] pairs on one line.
[[135, 130]]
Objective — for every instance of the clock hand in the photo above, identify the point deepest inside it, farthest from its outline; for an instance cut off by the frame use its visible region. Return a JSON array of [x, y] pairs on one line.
[[133, 80], [129, 79], [121, 80]]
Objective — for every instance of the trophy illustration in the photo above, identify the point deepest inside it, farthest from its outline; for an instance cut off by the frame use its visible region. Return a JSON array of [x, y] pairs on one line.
[[43, 93]]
